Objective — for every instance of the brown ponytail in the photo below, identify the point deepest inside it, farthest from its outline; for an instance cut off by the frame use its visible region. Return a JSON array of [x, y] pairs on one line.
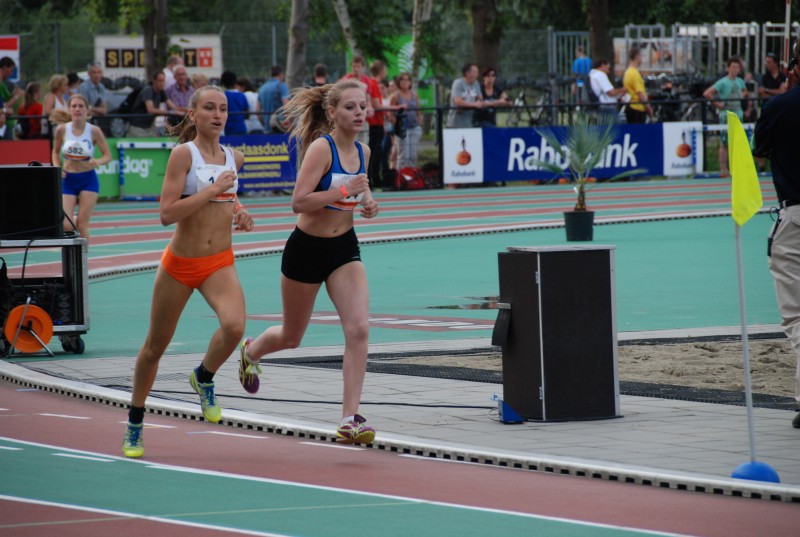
[[186, 130], [307, 111]]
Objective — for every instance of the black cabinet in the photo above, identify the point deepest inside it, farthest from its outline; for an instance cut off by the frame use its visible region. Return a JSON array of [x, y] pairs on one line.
[[560, 349]]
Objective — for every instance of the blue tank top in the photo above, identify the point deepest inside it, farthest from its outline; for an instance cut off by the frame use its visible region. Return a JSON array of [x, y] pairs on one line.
[[337, 176]]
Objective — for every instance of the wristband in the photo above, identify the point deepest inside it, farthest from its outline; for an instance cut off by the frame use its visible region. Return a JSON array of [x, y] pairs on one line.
[[343, 190], [236, 208]]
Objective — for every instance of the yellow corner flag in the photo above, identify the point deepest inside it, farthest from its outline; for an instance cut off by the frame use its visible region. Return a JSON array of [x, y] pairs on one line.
[[745, 191]]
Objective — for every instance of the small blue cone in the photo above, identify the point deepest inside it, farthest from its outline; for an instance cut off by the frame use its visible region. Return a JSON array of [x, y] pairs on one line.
[[508, 414], [756, 471]]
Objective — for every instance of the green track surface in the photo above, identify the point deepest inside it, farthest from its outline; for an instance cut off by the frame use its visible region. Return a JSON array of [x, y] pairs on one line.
[[221, 500], [670, 274]]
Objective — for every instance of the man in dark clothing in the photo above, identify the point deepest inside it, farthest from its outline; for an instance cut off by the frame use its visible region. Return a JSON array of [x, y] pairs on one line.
[[774, 81], [775, 138]]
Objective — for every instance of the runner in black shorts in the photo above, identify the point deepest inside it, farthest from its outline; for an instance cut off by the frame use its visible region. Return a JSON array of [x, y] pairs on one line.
[[324, 247]]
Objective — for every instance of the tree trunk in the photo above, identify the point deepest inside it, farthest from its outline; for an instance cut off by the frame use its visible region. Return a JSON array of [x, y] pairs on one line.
[[422, 13], [340, 6], [149, 32], [156, 37], [162, 33], [296, 68], [486, 33], [599, 34]]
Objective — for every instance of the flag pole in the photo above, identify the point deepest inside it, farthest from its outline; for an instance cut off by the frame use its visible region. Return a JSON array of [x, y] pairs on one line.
[[748, 387]]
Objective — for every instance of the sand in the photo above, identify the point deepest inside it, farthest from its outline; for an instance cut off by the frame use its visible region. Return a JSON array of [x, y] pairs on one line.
[[716, 365]]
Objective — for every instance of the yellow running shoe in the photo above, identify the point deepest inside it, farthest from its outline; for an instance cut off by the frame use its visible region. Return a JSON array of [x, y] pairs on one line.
[[133, 443], [211, 409]]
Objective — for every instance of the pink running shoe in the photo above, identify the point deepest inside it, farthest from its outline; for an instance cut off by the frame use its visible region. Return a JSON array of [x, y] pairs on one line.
[[355, 431], [248, 371]]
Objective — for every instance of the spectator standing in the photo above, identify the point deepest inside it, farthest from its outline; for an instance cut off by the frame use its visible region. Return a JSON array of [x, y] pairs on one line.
[[199, 80], [252, 122], [94, 91], [358, 67], [638, 108], [10, 95], [320, 75], [237, 106], [388, 91], [149, 101], [180, 94], [73, 83], [408, 101], [272, 95], [6, 132], [774, 81], [727, 94], [465, 94], [607, 95], [581, 67], [375, 170], [169, 71], [97, 96], [32, 127], [493, 97], [55, 103]]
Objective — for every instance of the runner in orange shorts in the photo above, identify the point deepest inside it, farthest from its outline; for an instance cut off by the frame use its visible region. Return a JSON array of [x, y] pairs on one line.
[[199, 196]]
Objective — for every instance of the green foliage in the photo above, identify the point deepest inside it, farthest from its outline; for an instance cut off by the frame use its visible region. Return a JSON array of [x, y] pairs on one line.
[[582, 145]]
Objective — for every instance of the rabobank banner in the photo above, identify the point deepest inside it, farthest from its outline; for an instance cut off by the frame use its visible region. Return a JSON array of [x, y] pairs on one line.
[[270, 161], [512, 154]]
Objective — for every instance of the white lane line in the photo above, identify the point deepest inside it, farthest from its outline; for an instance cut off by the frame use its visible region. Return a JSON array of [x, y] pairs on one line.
[[152, 425], [136, 516], [229, 434], [11, 448], [64, 416], [332, 445], [436, 459], [71, 456], [196, 471], [3, 409]]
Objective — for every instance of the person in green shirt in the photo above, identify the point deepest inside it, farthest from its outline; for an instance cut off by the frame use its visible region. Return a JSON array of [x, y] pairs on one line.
[[9, 93], [726, 94]]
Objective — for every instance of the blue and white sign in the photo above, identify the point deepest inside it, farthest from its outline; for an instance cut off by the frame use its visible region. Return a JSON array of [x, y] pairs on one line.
[[270, 161], [512, 154]]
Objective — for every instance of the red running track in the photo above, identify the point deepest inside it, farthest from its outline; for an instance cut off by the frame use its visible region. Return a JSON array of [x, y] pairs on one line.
[[317, 463]]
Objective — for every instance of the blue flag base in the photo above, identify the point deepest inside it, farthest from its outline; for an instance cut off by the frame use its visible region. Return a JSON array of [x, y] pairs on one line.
[[756, 471]]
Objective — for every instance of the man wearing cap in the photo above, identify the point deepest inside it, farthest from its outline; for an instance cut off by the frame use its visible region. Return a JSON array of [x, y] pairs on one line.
[[775, 138]]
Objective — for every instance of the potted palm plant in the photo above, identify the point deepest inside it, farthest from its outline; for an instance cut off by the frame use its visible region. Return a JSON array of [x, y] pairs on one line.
[[582, 146]]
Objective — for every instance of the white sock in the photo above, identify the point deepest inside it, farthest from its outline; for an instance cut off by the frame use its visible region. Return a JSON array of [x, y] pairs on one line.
[[246, 355], [348, 419]]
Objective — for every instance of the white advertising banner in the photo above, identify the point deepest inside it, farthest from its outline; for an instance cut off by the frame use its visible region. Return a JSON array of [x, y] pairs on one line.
[[9, 46], [463, 156], [123, 55], [683, 153]]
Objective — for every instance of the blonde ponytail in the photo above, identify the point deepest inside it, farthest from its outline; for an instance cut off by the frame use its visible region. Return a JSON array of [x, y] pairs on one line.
[[307, 112]]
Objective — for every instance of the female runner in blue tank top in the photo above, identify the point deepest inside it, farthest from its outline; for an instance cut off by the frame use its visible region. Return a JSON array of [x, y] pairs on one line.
[[323, 248], [76, 140]]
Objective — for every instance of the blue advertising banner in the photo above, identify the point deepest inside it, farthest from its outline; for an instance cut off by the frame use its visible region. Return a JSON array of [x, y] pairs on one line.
[[511, 154], [270, 161]]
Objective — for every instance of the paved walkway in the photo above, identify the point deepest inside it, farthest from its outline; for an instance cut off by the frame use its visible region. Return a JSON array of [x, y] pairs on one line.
[[672, 443]]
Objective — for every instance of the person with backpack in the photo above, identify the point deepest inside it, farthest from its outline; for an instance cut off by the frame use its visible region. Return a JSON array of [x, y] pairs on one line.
[[146, 105], [272, 96], [602, 94]]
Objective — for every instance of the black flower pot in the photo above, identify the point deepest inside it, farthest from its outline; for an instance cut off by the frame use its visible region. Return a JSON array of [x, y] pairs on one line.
[[579, 225]]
